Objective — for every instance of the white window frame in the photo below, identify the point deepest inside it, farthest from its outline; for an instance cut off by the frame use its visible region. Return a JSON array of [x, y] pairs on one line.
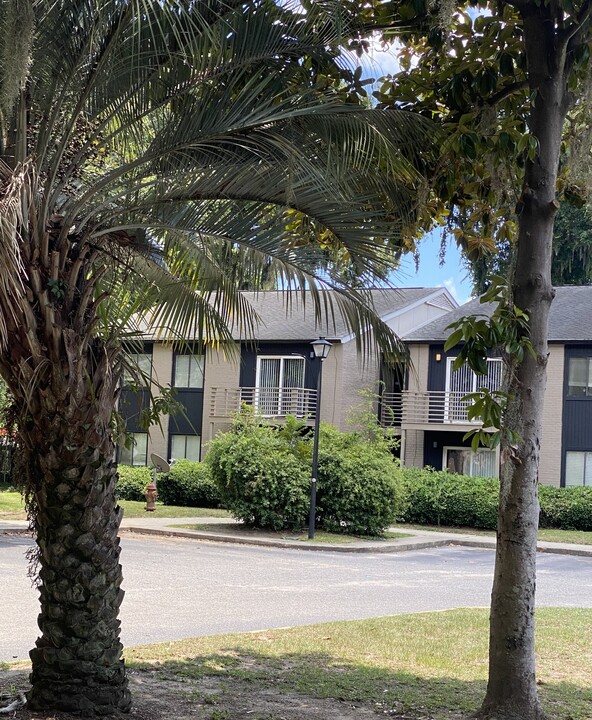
[[454, 407], [258, 387], [480, 451]]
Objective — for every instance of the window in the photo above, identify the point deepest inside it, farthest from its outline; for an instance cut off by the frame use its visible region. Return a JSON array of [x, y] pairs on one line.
[[143, 362], [463, 381], [463, 461], [578, 468], [579, 377], [188, 371], [185, 447], [137, 452], [280, 385]]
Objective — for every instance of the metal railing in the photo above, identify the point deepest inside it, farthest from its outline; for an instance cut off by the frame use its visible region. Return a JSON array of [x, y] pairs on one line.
[[270, 402], [424, 408]]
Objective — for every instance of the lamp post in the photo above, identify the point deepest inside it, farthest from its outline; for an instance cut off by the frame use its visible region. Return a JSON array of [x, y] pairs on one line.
[[321, 348]]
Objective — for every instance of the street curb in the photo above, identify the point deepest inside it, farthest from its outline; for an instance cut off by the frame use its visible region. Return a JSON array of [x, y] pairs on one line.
[[578, 552], [15, 531], [391, 547], [287, 544]]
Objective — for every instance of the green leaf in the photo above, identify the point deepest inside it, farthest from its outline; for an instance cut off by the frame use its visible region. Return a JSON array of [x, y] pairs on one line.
[[453, 339]]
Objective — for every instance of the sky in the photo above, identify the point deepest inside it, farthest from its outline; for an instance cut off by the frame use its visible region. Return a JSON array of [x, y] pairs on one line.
[[430, 273], [452, 274]]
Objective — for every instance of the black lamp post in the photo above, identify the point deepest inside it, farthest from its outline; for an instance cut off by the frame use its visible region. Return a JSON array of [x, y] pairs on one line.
[[321, 348]]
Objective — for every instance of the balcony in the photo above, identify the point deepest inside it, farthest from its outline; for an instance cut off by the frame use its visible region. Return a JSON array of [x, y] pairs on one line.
[[409, 409], [270, 402]]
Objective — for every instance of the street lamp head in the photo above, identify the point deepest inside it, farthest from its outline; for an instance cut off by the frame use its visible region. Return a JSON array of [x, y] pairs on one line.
[[321, 348]]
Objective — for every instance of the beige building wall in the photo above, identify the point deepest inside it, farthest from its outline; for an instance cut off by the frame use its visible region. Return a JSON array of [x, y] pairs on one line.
[[162, 373], [222, 371], [550, 458], [412, 442], [412, 448], [331, 392], [357, 375], [419, 356]]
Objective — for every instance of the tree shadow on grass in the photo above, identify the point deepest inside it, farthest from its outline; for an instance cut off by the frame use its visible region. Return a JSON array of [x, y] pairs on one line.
[[236, 678]]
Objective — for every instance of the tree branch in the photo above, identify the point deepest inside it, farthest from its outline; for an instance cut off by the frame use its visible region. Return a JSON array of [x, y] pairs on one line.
[[505, 92], [568, 34]]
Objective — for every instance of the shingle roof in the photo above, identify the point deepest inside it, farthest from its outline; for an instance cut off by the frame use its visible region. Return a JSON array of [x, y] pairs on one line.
[[570, 319], [293, 318]]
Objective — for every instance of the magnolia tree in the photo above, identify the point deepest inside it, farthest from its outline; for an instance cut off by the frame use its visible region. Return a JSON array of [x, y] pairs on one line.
[[508, 81]]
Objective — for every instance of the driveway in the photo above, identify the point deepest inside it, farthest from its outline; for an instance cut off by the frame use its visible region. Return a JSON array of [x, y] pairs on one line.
[[179, 588]]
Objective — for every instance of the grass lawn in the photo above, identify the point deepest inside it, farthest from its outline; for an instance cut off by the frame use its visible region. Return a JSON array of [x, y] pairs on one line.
[[579, 537], [132, 509], [11, 508], [431, 665]]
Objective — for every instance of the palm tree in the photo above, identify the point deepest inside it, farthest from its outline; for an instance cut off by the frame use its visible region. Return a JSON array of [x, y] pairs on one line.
[[137, 139]]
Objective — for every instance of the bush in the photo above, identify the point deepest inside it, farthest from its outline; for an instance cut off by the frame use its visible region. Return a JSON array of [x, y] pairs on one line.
[[132, 482], [261, 481], [567, 508], [441, 498], [189, 484], [264, 477], [359, 489]]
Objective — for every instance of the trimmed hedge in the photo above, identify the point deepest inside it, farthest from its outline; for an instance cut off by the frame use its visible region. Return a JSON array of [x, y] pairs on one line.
[[567, 508], [188, 484], [132, 482], [441, 498]]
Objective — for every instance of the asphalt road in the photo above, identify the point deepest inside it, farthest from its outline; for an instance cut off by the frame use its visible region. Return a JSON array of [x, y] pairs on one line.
[[183, 588]]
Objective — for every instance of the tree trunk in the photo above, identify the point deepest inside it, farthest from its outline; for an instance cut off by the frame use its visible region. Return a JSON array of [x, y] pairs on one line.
[[77, 664], [512, 691], [68, 470]]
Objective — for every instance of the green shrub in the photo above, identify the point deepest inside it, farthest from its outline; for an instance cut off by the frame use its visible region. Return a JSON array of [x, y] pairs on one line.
[[567, 508], [263, 473], [132, 482], [189, 484], [261, 481], [359, 490], [441, 498]]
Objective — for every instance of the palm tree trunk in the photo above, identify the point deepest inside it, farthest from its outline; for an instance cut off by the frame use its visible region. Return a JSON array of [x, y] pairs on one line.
[[77, 665], [67, 467]]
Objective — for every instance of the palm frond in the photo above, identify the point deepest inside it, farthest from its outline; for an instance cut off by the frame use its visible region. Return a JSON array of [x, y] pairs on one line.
[[200, 127]]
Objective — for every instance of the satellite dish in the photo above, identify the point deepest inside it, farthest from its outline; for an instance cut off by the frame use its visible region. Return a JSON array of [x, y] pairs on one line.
[[159, 463]]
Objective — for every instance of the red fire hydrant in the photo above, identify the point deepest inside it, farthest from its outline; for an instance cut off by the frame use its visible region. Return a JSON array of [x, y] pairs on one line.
[[151, 494]]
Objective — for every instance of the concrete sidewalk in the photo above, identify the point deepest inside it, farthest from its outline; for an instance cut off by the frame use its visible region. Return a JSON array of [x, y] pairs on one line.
[[228, 530]]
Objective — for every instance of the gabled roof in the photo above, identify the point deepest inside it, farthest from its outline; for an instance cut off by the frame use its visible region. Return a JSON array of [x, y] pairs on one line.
[[570, 319], [291, 318]]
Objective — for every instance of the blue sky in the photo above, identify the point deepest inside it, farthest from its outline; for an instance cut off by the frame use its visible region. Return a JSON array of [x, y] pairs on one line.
[[452, 274]]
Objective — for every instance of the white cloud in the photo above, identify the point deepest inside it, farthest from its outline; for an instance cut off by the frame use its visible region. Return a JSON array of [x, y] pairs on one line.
[[461, 295]]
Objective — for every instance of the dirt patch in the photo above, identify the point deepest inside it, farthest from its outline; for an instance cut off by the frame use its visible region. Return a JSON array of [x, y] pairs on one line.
[[209, 698]]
